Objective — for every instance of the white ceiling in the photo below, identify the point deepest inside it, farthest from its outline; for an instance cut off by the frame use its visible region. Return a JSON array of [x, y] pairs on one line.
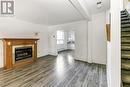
[[47, 12], [92, 5], [52, 12]]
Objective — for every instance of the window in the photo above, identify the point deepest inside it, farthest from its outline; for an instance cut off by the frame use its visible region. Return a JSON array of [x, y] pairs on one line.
[[60, 37], [71, 36]]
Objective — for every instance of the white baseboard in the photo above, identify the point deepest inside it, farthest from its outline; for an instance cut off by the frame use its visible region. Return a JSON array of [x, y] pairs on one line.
[[52, 53]]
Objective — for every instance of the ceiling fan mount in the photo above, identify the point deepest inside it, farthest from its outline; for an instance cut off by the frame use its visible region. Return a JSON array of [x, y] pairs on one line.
[[99, 4]]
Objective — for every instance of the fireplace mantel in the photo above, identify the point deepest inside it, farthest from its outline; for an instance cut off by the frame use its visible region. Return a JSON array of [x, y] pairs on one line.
[[19, 38], [9, 43]]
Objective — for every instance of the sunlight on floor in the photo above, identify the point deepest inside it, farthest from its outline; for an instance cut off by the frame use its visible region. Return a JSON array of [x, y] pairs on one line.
[[60, 66], [70, 59]]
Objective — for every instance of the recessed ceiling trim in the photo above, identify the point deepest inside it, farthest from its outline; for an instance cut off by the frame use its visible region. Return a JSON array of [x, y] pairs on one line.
[[78, 4]]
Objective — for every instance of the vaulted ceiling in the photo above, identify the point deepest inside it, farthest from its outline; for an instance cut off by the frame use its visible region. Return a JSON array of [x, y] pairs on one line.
[[52, 12]]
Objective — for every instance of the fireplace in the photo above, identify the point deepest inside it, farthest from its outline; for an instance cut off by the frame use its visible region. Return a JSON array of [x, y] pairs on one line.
[[24, 52], [19, 51]]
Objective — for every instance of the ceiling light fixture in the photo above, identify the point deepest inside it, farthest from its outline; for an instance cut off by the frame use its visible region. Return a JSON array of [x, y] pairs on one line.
[[99, 4]]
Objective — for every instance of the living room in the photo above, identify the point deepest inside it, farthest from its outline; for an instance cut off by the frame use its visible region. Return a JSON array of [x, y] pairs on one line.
[[29, 43]]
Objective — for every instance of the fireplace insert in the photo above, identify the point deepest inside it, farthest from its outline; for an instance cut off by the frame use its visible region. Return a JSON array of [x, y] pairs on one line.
[[24, 52]]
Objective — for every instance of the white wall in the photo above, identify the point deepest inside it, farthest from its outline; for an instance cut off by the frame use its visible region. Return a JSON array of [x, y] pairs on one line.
[[114, 58], [80, 29], [97, 44], [126, 4], [90, 34], [12, 27], [43, 44], [52, 42], [108, 48], [90, 38]]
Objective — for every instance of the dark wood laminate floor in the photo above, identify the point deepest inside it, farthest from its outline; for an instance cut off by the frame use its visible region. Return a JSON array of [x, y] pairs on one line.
[[61, 71]]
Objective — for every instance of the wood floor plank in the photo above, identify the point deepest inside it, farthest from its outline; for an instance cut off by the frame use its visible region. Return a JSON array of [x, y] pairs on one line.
[[61, 71]]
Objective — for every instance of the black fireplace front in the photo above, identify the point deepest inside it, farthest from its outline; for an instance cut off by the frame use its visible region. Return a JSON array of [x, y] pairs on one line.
[[23, 53]]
